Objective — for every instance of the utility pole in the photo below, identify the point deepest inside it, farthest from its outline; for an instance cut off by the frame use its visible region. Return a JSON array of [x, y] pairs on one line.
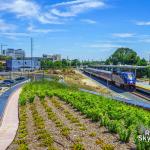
[[23, 62], [2, 45], [149, 69], [67, 62], [31, 54]]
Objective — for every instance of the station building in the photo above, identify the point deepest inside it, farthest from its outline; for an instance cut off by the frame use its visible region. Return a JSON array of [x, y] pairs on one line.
[[26, 64]]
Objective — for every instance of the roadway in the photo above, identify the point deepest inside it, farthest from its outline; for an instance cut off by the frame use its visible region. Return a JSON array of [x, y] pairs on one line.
[[4, 96]]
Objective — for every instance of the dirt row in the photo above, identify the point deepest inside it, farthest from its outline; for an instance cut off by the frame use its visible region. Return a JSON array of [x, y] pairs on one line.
[[69, 128]]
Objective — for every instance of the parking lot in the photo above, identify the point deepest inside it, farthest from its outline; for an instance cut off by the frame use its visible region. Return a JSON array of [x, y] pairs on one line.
[[7, 83], [3, 89]]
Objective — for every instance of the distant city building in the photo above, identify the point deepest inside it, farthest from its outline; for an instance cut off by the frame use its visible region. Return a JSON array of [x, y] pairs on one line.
[[56, 57], [23, 64], [15, 54]]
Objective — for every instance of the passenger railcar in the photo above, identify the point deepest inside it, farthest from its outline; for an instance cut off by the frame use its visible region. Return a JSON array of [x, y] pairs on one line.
[[123, 79], [107, 75]]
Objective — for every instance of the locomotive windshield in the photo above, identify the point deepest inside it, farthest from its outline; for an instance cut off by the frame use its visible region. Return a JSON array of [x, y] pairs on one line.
[[130, 76]]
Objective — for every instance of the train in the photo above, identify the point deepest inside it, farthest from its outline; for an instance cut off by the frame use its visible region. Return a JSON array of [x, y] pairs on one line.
[[121, 79]]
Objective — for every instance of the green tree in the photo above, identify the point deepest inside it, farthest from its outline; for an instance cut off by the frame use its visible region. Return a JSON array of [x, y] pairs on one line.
[[75, 62], [142, 72], [1, 66], [5, 57], [124, 56], [57, 65], [142, 62], [46, 64]]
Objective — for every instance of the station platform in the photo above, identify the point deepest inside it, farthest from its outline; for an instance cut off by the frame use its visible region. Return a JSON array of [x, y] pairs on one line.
[[143, 86]]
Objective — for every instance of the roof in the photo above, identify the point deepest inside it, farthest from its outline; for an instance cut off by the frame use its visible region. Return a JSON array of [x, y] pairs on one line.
[[104, 71], [120, 66]]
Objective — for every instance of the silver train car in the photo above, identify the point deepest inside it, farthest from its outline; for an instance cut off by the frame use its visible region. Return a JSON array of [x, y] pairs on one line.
[[122, 79]]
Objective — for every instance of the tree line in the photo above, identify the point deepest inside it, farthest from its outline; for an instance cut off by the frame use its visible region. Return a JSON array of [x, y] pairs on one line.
[[122, 56], [127, 56]]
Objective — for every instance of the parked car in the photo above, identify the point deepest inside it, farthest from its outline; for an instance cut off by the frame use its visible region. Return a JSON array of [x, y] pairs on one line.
[[19, 78], [8, 82]]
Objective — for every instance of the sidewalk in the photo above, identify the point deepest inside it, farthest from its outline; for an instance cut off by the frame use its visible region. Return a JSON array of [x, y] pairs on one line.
[[10, 121]]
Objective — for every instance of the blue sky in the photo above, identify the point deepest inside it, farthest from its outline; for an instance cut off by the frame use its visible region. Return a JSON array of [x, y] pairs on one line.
[[83, 29]]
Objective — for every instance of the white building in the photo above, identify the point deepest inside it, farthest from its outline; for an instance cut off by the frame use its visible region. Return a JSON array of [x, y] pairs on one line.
[[53, 58], [18, 53], [23, 64]]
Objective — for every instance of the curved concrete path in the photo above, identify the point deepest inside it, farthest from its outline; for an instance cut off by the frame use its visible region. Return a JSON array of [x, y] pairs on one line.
[[10, 121]]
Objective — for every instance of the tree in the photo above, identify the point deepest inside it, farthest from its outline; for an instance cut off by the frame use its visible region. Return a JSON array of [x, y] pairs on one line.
[[1, 66], [57, 65], [142, 72], [46, 64], [142, 62], [5, 57], [124, 56], [65, 63], [75, 62]]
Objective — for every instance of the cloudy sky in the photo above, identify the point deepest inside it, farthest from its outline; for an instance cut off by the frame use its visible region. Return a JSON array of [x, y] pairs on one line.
[[83, 29]]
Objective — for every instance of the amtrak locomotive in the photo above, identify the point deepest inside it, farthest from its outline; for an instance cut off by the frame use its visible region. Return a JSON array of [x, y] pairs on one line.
[[122, 79]]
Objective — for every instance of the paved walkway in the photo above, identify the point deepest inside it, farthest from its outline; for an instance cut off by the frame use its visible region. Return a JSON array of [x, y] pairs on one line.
[[10, 121]]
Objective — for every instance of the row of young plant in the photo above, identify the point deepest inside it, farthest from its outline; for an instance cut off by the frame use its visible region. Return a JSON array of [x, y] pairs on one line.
[[42, 134], [64, 130], [125, 120], [21, 139], [56, 102], [67, 114]]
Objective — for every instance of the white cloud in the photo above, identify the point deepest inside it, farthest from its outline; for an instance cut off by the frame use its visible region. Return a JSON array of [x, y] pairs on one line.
[[123, 35], [54, 15], [23, 8], [48, 18], [145, 40], [89, 21], [104, 45], [6, 27], [73, 8], [16, 34], [143, 23], [31, 28], [28, 9]]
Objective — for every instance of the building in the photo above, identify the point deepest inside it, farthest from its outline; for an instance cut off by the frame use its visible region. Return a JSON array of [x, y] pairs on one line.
[[53, 58], [23, 64], [15, 54]]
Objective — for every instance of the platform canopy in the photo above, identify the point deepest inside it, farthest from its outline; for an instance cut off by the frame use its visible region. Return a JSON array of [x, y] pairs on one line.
[[120, 66]]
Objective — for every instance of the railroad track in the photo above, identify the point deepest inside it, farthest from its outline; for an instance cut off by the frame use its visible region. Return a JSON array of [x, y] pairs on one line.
[[142, 95]]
